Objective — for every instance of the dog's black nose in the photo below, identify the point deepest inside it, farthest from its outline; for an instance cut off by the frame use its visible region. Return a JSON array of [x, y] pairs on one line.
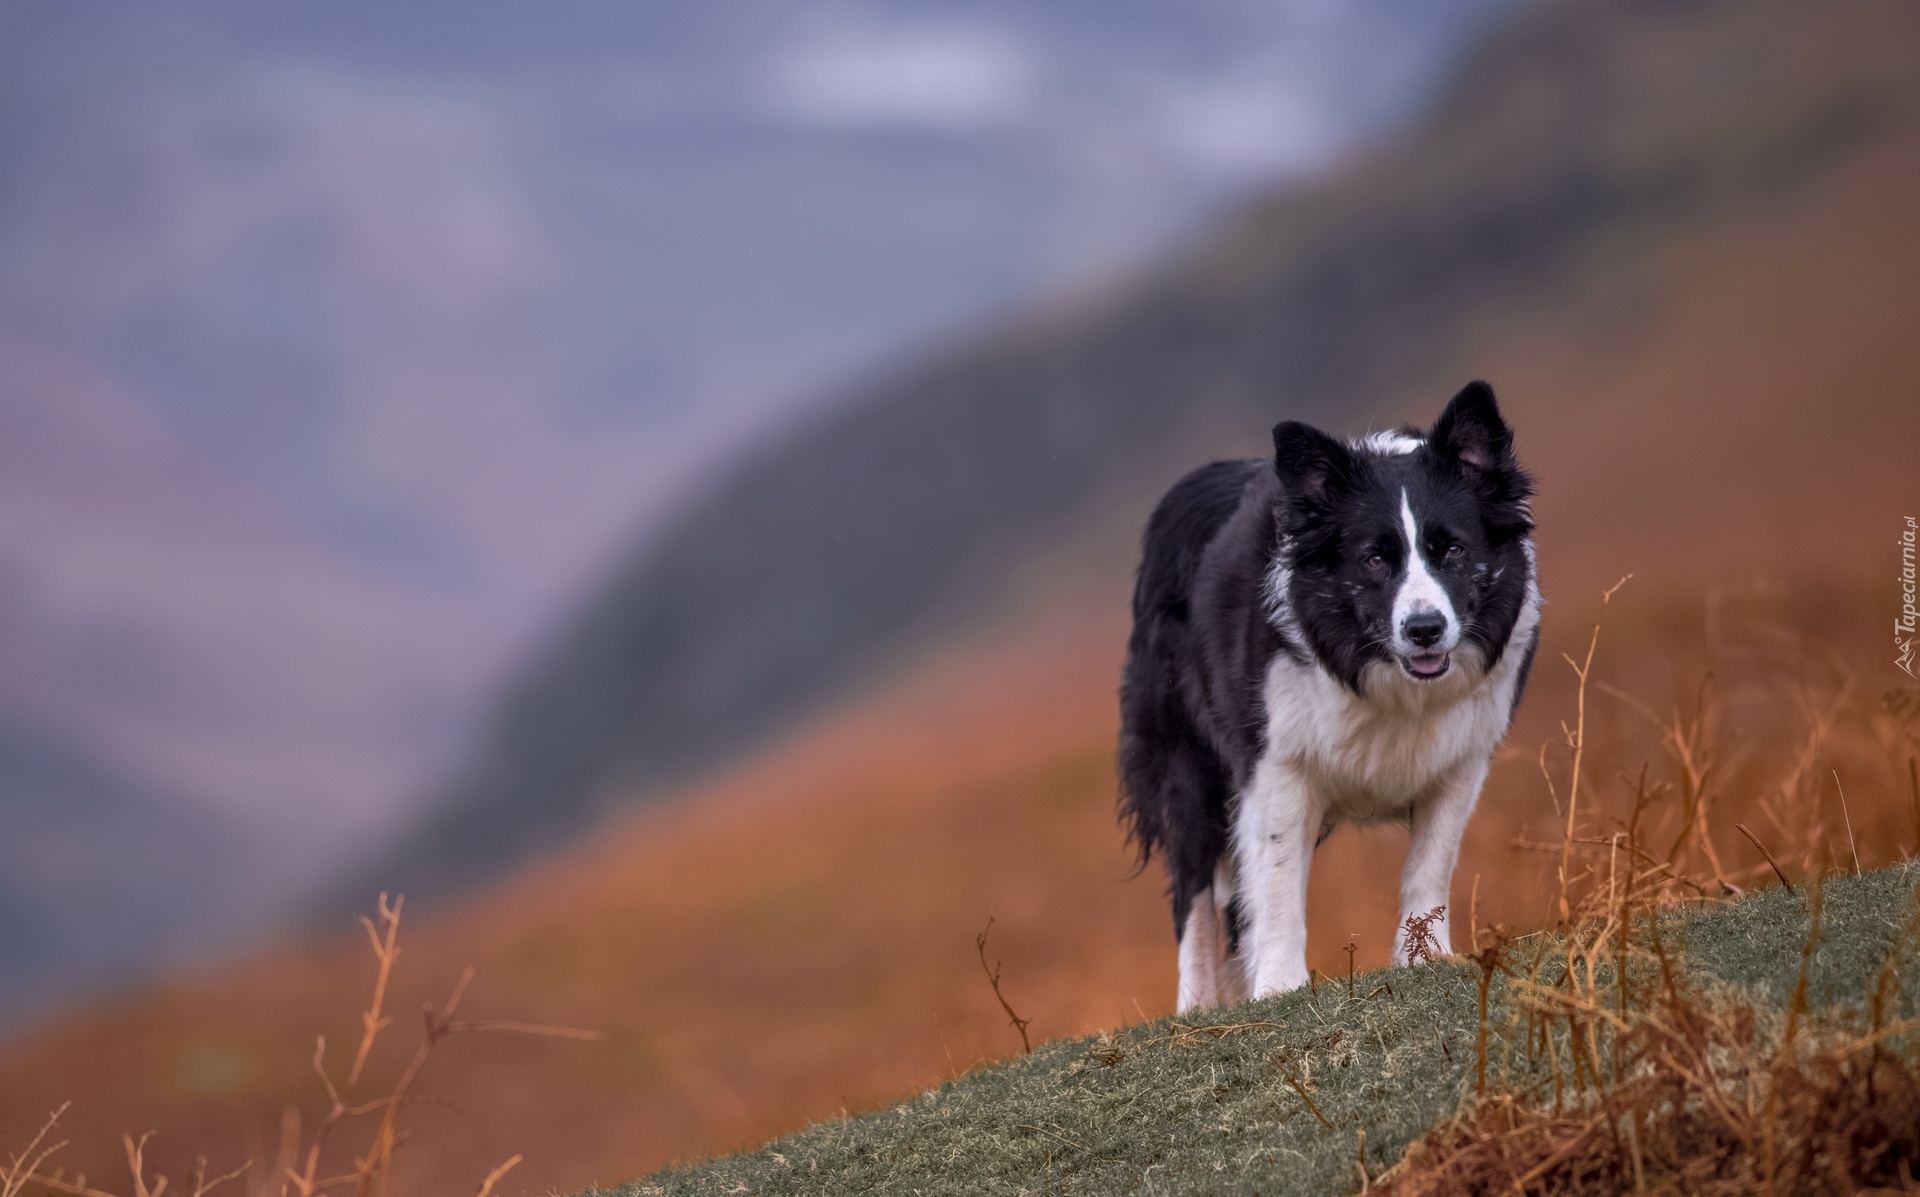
[[1425, 628]]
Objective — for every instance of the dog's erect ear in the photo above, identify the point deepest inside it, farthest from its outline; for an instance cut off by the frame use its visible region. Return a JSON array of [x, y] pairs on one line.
[[1312, 465], [1471, 436], [1471, 431]]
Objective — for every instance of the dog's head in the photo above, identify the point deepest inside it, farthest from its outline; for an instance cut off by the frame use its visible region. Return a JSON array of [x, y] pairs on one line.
[[1407, 551]]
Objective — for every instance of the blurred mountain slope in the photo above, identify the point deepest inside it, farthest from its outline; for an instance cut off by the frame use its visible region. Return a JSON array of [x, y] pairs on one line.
[[99, 879], [1584, 138], [432, 306], [343, 345]]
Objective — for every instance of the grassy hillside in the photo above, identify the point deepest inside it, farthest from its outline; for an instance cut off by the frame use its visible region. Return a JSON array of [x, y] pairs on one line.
[[1290, 1095], [1572, 155]]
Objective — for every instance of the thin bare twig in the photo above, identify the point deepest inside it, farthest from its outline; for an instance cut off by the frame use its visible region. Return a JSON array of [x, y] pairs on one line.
[[1301, 1089], [28, 1159], [993, 979], [1577, 739], [1743, 829], [384, 939], [493, 1177]]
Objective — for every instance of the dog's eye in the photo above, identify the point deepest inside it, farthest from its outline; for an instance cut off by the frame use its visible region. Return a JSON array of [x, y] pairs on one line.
[[1455, 550], [1375, 561]]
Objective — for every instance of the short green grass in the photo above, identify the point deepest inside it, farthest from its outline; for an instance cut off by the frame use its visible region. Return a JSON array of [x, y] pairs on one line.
[[1153, 1109]]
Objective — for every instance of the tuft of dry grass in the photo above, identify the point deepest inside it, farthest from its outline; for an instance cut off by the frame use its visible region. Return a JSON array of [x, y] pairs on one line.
[[1635, 1081], [1667, 1089], [296, 1169]]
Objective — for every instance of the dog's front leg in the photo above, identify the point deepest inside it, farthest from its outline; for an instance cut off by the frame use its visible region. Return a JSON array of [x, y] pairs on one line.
[[1273, 836], [1426, 882]]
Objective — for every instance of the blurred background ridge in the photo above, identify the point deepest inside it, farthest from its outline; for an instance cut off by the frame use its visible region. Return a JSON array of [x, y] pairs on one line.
[[342, 345], [899, 516]]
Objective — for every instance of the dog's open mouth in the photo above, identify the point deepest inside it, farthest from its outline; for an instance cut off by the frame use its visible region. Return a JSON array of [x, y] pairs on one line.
[[1426, 665]]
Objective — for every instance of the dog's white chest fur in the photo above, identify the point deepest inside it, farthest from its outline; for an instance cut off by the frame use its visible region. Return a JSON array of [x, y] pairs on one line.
[[1372, 758]]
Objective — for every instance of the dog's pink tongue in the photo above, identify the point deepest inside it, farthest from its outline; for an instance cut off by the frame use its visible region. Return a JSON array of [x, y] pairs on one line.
[[1428, 663]]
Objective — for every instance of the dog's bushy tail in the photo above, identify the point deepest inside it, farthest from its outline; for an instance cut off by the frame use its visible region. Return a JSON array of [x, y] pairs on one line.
[[1168, 770]]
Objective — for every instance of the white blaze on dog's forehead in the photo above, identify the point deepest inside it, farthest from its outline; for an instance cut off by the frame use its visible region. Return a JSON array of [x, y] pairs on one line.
[[1420, 590], [1389, 443]]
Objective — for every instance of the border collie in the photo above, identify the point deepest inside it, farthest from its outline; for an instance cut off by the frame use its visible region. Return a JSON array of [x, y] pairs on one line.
[[1338, 634]]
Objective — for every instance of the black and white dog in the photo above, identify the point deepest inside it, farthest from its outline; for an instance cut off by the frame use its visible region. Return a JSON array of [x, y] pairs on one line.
[[1340, 633]]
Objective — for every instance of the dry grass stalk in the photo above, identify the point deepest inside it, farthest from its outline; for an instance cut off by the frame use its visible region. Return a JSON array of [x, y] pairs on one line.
[[493, 1177], [1690, 743], [1490, 959], [371, 1171], [1794, 790], [23, 1167], [1577, 741], [993, 979], [1852, 847], [1743, 829], [1299, 1087], [1184, 1031]]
